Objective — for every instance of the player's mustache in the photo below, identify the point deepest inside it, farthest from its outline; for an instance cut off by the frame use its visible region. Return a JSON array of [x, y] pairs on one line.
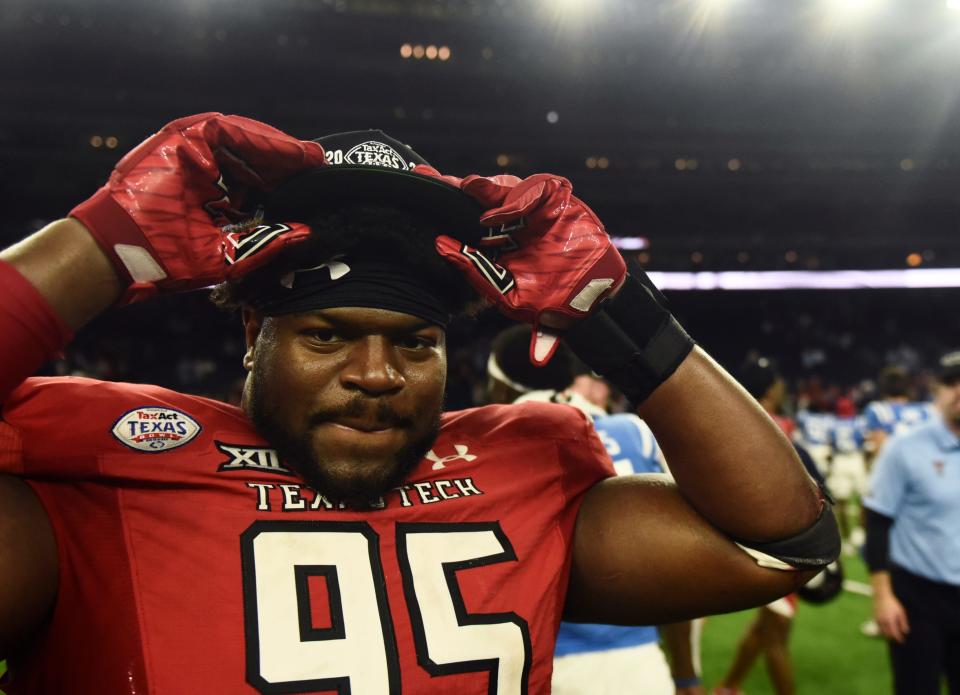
[[375, 411]]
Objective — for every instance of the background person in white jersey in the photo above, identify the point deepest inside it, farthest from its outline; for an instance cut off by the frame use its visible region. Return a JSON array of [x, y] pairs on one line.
[[593, 659], [814, 428], [848, 473]]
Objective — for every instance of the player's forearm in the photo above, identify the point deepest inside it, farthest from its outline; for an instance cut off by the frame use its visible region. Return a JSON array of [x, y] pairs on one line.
[[882, 586], [69, 270], [730, 460], [28, 565], [53, 282]]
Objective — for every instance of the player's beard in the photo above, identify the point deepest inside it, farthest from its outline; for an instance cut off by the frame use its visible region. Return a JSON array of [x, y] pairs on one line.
[[335, 478]]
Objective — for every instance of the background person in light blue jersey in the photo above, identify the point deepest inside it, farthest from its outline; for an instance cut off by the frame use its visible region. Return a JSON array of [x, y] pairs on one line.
[[894, 413], [913, 544], [633, 449], [593, 659]]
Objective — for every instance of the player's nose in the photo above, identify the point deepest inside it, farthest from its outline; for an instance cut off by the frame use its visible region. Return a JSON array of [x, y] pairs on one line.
[[373, 366]]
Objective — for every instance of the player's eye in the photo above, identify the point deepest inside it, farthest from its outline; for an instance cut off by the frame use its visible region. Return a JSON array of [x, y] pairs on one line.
[[416, 342], [321, 335]]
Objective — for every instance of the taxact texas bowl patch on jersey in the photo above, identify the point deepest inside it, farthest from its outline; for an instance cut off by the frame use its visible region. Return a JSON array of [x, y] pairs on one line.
[[154, 429]]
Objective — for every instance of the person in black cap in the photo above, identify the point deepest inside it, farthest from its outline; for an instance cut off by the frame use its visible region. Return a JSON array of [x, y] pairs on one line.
[[913, 543], [339, 532]]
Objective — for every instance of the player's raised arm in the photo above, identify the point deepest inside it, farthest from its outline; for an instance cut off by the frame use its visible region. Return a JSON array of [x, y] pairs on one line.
[[644, 550], [161, 223], [173, 216]]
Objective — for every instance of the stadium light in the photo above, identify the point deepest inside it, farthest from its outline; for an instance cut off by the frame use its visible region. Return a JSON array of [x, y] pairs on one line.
[[631, 243], [808, 279], [711, 8], [707, 14], [851, 9], [568, 8]]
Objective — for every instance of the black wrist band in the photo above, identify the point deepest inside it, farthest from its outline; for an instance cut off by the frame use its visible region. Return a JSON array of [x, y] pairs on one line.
[[632, 341]]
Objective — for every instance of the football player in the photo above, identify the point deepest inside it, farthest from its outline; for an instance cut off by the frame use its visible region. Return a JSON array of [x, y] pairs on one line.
[[339, 532]]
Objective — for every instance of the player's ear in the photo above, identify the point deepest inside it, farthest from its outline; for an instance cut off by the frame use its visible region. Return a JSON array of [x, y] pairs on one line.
[[252, 323]]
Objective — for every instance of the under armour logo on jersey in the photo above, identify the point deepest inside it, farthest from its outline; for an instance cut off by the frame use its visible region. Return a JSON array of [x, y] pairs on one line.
[[938, 467], [461, 455], [496, 275]]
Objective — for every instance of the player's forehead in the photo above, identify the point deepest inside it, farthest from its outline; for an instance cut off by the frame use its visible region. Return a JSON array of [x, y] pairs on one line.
[[365, 319]]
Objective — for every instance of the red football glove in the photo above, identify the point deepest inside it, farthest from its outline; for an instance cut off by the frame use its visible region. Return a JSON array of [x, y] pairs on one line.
[[170, 215], [550, 255]]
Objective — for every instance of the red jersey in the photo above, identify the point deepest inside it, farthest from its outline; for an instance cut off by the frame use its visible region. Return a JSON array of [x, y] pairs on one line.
[[192, 561]]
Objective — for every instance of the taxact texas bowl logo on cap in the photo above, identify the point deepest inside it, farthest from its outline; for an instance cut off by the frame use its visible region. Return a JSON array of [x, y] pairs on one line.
[[155, 429], [376, 154]]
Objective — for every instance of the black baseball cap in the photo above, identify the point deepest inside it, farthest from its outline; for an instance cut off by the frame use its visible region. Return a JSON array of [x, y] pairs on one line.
[[948, 368], [370, 167]]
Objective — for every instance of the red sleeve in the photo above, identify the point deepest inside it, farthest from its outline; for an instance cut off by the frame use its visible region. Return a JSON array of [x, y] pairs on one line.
[[30, 332], [587, 461], [66, 426], [52, 425], [583, 457]]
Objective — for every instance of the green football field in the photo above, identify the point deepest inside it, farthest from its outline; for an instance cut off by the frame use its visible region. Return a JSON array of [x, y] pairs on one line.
[[830, 655]]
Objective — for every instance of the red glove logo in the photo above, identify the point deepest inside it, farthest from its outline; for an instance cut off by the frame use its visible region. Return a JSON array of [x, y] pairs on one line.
[[499, 277], [171, 216], [240, 245], [550, 257]]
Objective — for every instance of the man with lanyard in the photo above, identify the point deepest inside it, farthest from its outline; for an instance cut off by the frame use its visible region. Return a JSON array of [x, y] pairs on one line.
[[893, 413], [913, 544]]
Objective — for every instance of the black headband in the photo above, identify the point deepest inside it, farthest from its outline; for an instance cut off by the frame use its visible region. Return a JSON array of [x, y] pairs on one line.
[[342, 282]]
